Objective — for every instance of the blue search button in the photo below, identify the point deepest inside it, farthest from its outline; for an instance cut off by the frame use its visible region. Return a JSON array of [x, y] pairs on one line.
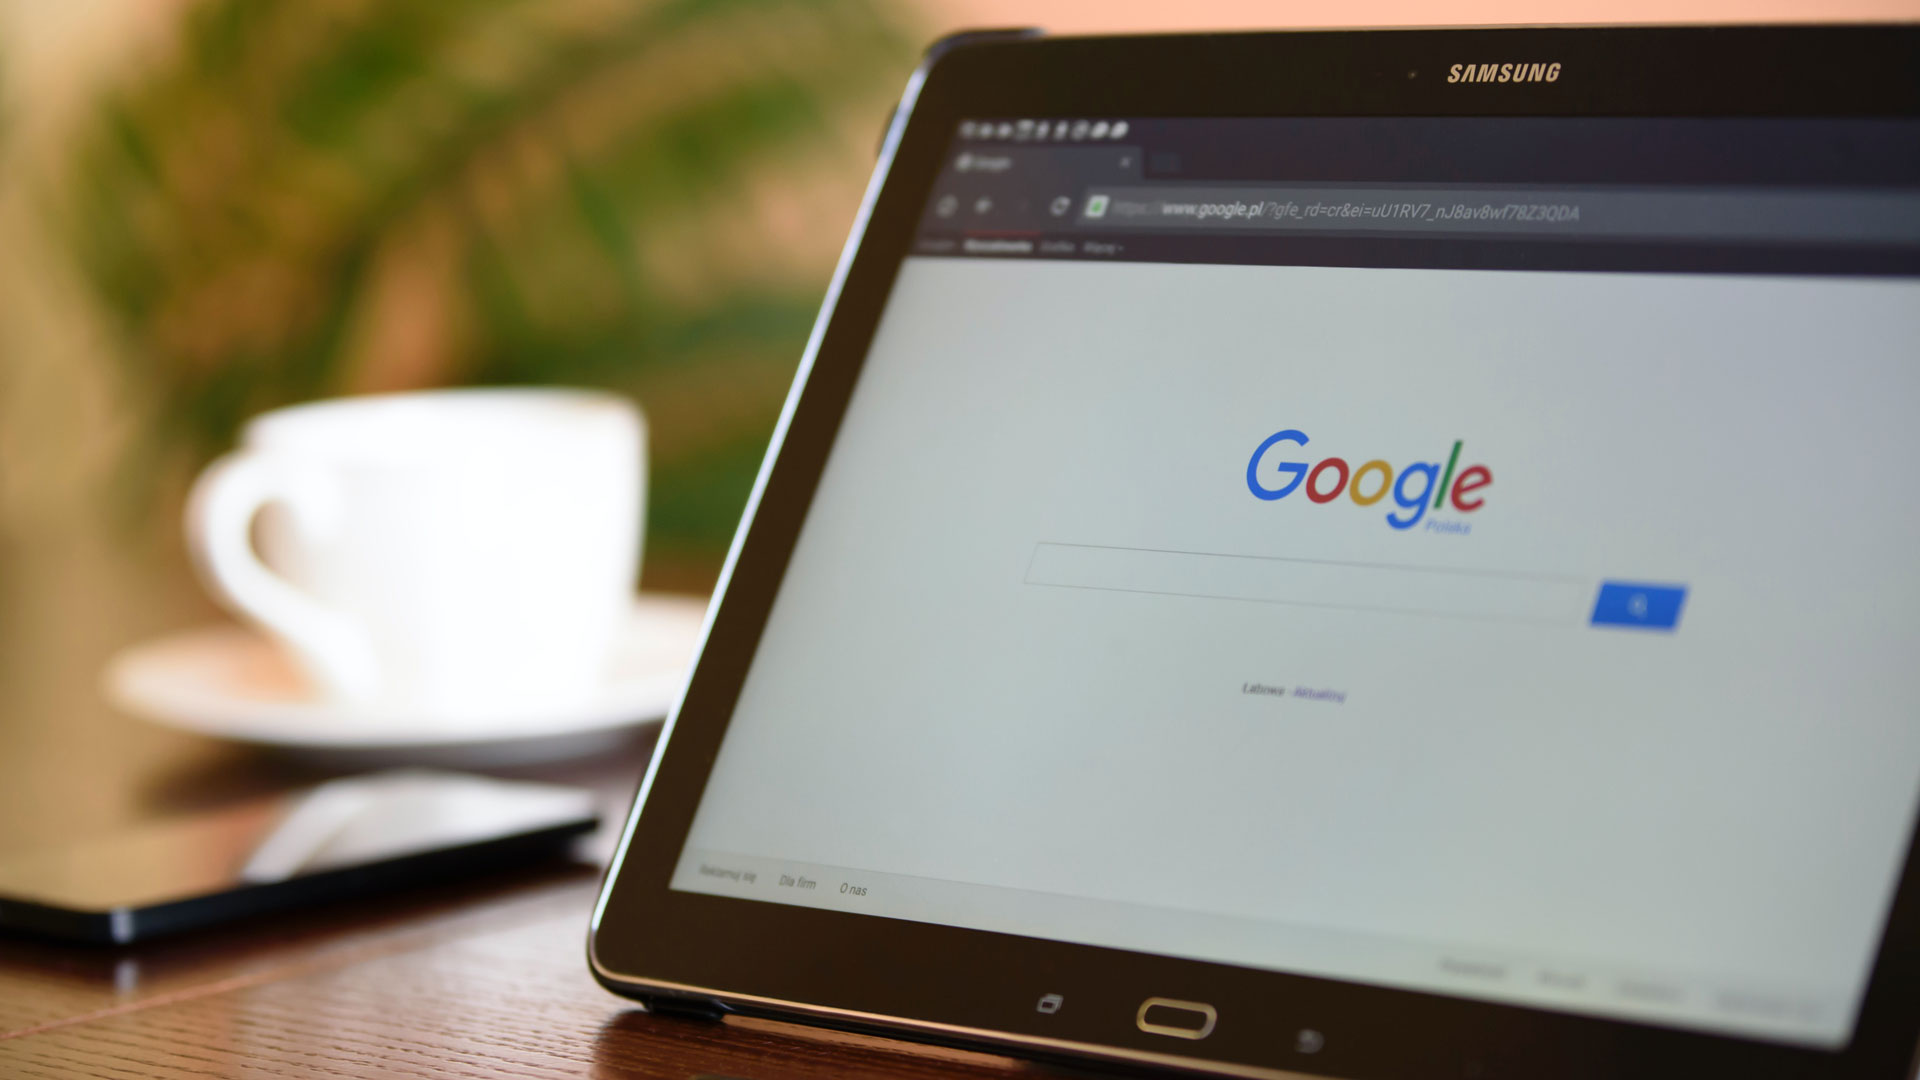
[[1638, 607]]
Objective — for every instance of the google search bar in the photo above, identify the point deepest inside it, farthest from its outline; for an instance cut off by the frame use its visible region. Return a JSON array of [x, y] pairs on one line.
[[1350, 586]]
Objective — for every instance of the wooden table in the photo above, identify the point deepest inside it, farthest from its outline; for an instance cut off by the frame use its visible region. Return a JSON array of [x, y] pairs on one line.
[[480, 978]]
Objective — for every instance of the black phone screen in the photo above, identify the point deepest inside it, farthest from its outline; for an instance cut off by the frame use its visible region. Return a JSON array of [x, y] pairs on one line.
[[342, 837]]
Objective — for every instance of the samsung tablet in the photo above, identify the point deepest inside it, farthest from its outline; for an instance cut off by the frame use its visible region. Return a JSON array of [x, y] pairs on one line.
[[1376, 554]]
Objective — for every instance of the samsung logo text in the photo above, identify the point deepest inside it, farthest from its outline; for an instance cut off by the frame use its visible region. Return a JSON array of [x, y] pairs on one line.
[[1478, 73]]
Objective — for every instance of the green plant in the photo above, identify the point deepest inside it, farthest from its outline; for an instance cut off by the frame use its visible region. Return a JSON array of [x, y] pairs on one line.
[[312, 198]]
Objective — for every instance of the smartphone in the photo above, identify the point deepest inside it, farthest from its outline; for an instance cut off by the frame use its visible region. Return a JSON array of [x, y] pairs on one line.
[[343, 838]]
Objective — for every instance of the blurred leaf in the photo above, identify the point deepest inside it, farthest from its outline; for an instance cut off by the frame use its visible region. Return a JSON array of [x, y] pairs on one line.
[[540, 176]]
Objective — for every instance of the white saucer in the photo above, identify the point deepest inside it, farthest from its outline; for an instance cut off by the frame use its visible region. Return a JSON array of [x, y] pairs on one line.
[[230, 682]]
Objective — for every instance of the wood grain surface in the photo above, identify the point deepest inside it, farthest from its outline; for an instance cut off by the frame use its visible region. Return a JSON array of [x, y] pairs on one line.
[[477, 978], [495, 990]]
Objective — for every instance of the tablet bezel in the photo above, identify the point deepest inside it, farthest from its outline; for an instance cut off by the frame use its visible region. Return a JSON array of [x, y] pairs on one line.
[[970, 987]]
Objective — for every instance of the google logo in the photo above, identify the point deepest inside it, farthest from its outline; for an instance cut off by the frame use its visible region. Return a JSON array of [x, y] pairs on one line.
[[1326, 480]]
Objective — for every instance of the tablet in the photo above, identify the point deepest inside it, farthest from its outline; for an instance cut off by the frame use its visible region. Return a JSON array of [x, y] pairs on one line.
[[1376, 554]]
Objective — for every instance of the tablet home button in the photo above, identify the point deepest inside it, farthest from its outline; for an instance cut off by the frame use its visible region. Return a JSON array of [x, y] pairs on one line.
[[1180, 1019]]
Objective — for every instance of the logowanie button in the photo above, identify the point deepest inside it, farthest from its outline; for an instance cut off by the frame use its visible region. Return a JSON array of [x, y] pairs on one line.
[[1179, 1019]]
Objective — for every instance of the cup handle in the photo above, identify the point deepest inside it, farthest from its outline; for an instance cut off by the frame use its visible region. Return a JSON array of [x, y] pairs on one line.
[[226, 498]]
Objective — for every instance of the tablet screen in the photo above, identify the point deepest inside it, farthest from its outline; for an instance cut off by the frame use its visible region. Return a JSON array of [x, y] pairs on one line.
[[1469, 556]]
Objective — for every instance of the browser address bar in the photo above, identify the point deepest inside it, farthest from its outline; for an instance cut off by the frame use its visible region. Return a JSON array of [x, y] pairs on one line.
[[1878, 217]]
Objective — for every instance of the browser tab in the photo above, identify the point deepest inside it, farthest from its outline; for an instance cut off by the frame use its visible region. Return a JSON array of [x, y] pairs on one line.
[[1174, 187]]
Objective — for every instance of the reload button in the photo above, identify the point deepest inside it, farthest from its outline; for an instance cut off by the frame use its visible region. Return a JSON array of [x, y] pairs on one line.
[[1178, 1019]]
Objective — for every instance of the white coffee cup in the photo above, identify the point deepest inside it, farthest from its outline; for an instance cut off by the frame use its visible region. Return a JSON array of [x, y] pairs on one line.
[[454, 554]]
